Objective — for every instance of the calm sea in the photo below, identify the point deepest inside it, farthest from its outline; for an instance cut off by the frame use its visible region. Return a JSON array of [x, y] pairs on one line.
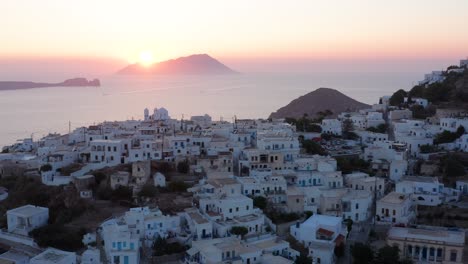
[[39, 111]]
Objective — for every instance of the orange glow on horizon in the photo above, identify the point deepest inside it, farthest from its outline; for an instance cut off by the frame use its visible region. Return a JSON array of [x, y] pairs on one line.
[[146, 58]]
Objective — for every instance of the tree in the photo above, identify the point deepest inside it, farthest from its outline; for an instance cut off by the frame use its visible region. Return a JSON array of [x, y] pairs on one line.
[[177, 186], [428, 148], [148, 190], [349, 226], [447, 136], [183, 167], [362, 253], [308, 214], [312, 147], [46, 167], [122, 193], [303, 259], [398, 97], [104, 192], [460, 131], [348, 128], [58, 236], [453, 167], [416, 91], [239, 231], [388, 255], [339, 250], [99, 177], [260, 202], [161, 247], [348, 165], [382, 128], [347, 125]]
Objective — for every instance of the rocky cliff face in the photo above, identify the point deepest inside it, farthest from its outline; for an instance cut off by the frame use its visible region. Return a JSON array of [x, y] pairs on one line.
[[319, 100]]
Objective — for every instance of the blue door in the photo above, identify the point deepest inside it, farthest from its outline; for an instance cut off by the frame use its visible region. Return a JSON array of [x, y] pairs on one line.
[[125, 259]]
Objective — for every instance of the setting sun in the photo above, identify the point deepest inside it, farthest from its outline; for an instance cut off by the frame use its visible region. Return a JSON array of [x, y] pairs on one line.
[[146, 58]]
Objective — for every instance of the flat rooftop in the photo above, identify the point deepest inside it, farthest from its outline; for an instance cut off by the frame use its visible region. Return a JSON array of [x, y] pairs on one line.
[[197, 217], [317, 219], [221, 182], [419, 179], [53, 255], [357, 194], [445, 236], [394, 198], [28, 210]]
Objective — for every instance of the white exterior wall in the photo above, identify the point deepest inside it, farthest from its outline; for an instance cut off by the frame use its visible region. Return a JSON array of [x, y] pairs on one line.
[[26, 218], [332, 126]]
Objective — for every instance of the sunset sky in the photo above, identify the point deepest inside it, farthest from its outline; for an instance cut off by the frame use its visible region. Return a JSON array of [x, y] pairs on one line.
[[303, 34]]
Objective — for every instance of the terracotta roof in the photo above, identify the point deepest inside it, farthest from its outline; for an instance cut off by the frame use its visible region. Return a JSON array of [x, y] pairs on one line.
[[339, 239], [325, 232]]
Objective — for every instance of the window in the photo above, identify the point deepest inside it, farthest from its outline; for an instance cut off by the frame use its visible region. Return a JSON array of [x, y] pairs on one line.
[[357, 206], [453, 255]]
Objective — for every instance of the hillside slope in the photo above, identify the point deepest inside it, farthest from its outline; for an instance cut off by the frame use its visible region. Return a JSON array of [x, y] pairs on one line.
[[321, 99]]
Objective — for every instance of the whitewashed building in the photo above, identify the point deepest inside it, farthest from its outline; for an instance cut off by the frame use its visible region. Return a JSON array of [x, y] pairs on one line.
[[24, 219]]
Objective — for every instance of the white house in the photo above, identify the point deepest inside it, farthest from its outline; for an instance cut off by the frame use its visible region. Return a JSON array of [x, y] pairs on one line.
[[121, 244], [159, 179], [234, 250], [321, 234], [462, 143], [462, 186], [91, 256], [24, 219], [396, 208], [356, 205], [452, 124], [54, 256], [426, 190], [199, 226], [433, 77], [332, 126], [362, 181]]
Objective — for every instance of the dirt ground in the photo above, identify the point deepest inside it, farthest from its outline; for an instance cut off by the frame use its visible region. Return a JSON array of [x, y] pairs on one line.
[[171, 203], [446, 216], [93, 218]]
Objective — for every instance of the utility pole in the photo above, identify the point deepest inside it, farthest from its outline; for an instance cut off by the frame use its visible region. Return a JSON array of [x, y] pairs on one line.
[[69, 127]]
